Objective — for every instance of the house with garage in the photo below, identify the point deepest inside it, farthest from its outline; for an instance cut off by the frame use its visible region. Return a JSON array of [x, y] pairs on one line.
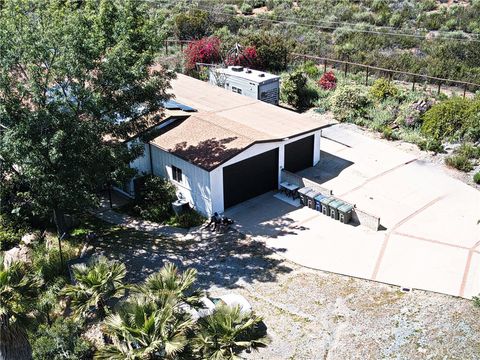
[[220, 148]]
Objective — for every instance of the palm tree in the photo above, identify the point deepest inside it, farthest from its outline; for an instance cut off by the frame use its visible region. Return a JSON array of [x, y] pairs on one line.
[[169, 285], [141, 330], [17, 290], [95, 284], [228, 332]]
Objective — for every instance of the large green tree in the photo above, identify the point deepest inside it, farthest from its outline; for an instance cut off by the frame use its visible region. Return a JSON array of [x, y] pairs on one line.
[[75, 78]]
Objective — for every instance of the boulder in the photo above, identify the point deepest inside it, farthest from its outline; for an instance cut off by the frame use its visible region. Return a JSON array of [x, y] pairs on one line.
[[18, 253], [29, 239]]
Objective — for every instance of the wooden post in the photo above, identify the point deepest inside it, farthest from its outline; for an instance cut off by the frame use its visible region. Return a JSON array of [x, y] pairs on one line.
[[439, 86], [181, 46], [464, 90], [413, 83], [366, 77], [166, 47], [324, 66], [390, 77], [346, 69]]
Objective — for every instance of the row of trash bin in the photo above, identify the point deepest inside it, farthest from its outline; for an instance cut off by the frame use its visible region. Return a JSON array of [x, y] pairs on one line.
[[326, 204]]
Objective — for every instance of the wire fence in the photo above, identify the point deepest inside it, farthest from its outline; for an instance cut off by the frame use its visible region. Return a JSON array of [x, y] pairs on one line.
[[370, 70]]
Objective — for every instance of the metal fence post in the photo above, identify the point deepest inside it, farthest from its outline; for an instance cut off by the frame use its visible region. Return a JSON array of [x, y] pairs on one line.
[[413, 83], [439, 86], [324, 66], [464, 90], [366, 76]]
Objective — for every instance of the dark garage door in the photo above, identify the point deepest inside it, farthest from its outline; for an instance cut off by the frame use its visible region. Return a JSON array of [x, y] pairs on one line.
[[250, 177], [299, 154]]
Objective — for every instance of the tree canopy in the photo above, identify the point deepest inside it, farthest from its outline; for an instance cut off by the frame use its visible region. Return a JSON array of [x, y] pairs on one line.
[[75, 78]]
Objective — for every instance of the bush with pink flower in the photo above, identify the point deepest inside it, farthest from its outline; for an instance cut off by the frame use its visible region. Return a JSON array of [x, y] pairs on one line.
[[328, 81]]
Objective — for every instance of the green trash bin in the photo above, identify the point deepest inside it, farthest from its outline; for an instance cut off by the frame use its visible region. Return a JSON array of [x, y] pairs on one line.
[[334, 205], [345, 213], [324, 204]]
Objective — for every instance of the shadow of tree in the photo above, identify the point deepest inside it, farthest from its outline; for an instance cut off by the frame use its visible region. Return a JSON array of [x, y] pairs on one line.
[[221, 259], [271, 218], [207, 153]]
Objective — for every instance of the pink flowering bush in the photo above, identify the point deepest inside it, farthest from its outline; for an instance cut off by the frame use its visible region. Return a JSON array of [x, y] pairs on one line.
[[206, 50], [328, 81], [248, 57]]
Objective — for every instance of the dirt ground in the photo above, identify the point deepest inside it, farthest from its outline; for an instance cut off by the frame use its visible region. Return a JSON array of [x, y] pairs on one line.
[[310, 314]]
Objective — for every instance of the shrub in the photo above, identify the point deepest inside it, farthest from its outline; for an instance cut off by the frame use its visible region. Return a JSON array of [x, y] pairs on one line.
[[246, 9], [431, 145], [311, 69], [61, 341], [295, 90], [446, 119], [469, 150], [471, 127], [247, 57], [8, 239], [476, 178], [206, 50], [191, 25], [155, 199], [389, 134], [328, 81], [188, 219], [382, 89], [48, 263], [460, 162], [272, 50], [410, 113], [349, 102]]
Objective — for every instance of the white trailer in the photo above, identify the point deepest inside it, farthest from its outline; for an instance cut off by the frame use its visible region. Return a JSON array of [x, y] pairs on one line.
[[248, 82]]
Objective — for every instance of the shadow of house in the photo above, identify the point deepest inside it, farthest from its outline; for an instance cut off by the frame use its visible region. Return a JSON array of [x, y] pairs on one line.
[[329, 167]]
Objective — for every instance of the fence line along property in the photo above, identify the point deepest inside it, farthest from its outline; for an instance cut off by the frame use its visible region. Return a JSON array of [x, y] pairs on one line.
[[369, 69]]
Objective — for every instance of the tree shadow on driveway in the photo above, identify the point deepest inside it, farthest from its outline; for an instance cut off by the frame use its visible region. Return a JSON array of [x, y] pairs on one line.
[[222, 260]]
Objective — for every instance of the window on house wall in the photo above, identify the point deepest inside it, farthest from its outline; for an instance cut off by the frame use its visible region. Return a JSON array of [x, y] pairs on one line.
[[236, 90], [176, 174]]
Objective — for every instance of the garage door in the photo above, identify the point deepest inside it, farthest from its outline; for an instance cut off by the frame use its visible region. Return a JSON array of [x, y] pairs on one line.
[[249, 178], [299, 154]]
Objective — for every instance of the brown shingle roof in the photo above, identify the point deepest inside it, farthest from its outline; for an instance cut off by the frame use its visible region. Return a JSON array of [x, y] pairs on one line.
[[225, 124]]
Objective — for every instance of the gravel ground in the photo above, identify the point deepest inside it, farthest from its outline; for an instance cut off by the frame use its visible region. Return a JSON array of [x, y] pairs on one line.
[[310, 314]]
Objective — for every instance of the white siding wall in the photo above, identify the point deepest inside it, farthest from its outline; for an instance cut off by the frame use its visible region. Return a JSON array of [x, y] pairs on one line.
[[142, 163], [195, 185], [216, 175]]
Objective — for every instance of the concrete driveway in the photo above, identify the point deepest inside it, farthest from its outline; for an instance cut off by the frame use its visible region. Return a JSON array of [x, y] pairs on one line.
[[432, 236]]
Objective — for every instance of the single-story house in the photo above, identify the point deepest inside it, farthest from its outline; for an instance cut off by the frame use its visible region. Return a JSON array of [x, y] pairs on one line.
[[220, 148]]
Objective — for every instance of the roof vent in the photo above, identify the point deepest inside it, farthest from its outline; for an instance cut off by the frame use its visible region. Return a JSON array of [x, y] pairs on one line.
[[261, 75], [248, 71], [237, 68]]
